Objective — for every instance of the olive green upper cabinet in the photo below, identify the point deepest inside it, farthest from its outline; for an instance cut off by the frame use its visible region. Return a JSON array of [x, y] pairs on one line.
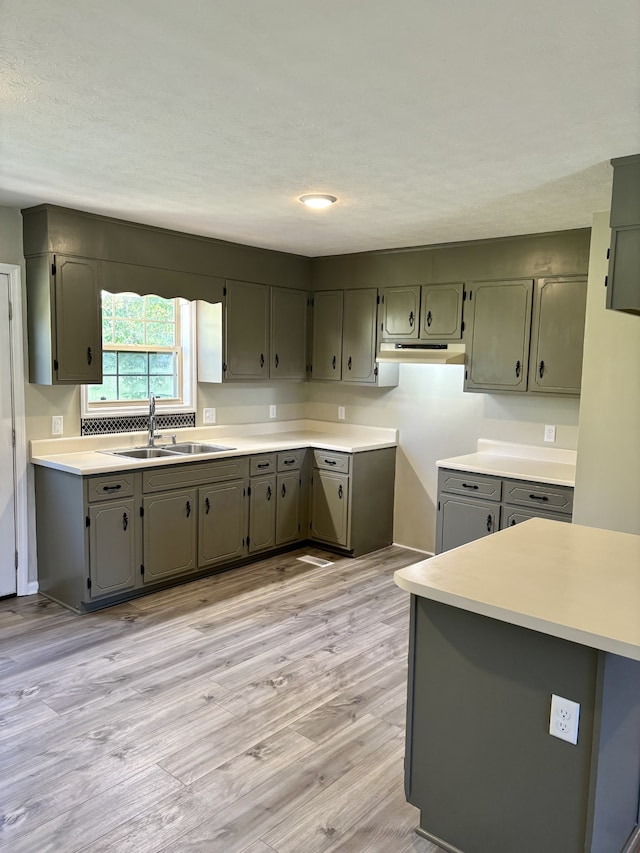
[[400, 313], [441, 312], [288, 333], [326, 356], [64, 319], [246, 331], [359, 336], [557, 335], [623, 279], [498, 334]]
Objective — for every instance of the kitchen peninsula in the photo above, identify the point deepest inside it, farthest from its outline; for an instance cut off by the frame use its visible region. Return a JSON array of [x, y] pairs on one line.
[[497, 627]]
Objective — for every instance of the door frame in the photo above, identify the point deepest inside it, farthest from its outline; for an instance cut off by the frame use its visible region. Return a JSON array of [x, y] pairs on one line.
[[21, 467]]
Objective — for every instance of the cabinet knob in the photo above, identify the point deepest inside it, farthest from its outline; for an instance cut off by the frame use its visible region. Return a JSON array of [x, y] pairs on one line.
[[513, 521], [429, 318]]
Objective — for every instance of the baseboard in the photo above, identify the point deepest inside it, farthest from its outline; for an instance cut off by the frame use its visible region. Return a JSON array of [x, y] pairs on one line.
[[426, 554], [32, 588]]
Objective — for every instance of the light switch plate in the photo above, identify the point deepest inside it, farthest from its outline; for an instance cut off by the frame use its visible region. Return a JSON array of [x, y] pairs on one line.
[[341, 413], [272, 411], [209, 416], [549, 433]]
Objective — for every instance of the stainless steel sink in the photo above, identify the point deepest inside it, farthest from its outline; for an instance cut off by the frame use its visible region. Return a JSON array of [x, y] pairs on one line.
[[142, 452], [196, 447]]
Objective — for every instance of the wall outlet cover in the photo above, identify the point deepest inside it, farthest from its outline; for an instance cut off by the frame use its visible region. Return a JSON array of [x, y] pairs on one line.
[[209, 416], [549, 433], [272, 411], [564, 718], [341, 413], [57, 425]]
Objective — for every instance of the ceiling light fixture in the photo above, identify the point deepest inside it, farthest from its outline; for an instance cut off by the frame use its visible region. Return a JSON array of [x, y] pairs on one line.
[[318, 200]]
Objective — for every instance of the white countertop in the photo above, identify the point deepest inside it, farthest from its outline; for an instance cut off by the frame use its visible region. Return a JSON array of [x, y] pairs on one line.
[[85, 455], [566, 580], [517, 461]]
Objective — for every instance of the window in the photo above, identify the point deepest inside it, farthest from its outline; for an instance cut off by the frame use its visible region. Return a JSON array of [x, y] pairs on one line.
[[146, 342]]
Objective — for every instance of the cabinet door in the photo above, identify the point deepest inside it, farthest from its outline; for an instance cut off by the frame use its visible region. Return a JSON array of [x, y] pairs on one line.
[[461, 521], [401, 312], [262, 513], [246, 331], [557, 335], [623, 281], [329, 507], [326, 357], [169, 534], [359, 336], [498, 336], [288, 333], [441, 312], [222, 523], [288, 508], [111, 547], [78, 324]]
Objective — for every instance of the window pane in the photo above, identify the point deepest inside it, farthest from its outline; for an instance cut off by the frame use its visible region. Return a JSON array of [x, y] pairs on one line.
[[107, 330], [162, 386], [109, 362], [133, 388], [132, 362], [107, 391], [128, 306], [162, 362], [160, 334], [128, 332], [107, 304], [159, 310]]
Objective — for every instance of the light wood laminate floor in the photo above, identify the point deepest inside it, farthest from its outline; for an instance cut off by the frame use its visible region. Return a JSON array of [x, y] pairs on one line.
[[258, 710]]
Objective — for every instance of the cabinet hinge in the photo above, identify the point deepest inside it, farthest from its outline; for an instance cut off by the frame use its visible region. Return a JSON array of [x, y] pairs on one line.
[[249, 491], [313, 302], [53, 266], [466, 374], [375, 370], [16, 561], [606, 280], [224, 291], [141, 511], [13, 437], [248, 541], [10, 311], [438, 506], [224, 367], [300, 480], [464, 295], [378, 299], [383, 298], [470, 295], [608, 252], [382, 327], [462, 326], [141, 568], [55, 363], [88, 583], [87, 521]]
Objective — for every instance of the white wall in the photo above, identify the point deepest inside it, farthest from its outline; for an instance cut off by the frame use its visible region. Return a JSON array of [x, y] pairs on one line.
[[608, 473], [436, 420]]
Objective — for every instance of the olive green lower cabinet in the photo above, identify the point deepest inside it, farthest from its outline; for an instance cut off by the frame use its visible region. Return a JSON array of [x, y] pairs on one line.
[[472, 505], [105, 538]]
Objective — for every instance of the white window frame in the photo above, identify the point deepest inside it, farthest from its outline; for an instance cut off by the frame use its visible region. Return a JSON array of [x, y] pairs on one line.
[[189, 379]]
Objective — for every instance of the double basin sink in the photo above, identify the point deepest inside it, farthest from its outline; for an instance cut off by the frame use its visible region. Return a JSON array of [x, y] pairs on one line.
[[181, 448]]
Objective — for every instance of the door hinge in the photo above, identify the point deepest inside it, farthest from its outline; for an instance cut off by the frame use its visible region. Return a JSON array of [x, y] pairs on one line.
[[141, 568], [462, 326], [55, 363], [87, 521], [141, 511], [88, 583]]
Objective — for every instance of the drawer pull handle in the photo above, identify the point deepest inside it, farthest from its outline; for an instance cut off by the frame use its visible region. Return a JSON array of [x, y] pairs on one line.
[[89, 355], [261, 359], [207, 504], [125, 520], [188, 508], [284, 490], [518, 368], [330, 462], [513, 521], [277, 360], [349, 363], [111, 488], [470, 486], [541, 369], [411, 319], [539, 497], [429, 318], [288, 461], [268, 493], [262, 465], [340, 491], [333, 362], [489, 523]]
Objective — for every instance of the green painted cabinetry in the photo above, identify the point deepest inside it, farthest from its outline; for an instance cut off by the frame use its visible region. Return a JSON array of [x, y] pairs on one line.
[[246, 324], [288, 339], [623, 279], [400, 313], [222, 522], [359, 336], [326, 343], [169, 541], [441, 312]]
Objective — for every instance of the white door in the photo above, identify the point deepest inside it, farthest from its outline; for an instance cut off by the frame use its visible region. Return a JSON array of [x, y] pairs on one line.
[[7, 461]]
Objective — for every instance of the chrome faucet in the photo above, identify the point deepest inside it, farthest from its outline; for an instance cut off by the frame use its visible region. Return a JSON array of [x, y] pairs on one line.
[[152, 421]]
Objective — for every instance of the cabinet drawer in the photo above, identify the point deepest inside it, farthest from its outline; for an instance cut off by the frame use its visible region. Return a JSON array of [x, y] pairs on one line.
[[110, 486], [540, 495], [178, 476], [264, 464], [290, 460], [471, 485], [511, 517], [331, 461]]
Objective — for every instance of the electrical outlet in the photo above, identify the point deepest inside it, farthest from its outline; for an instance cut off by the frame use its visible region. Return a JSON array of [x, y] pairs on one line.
[[209, 416], [341, 413], [57, 425], [272, 411], [564, 718], [549, 433]]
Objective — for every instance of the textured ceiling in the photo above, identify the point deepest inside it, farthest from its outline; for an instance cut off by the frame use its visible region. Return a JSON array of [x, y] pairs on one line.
[[431, 121]]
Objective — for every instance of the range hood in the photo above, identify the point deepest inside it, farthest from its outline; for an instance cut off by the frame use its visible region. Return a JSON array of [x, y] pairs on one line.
[[417, 353]]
